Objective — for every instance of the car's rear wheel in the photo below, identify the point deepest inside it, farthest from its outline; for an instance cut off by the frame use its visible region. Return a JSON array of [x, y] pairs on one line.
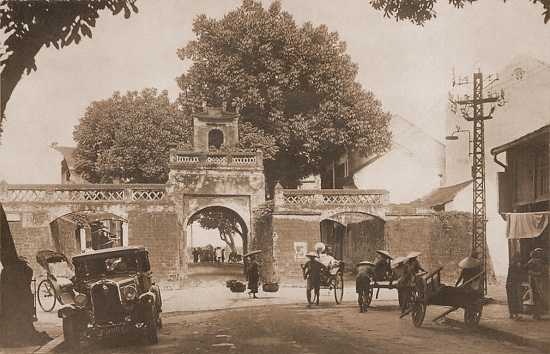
[[72, 332]]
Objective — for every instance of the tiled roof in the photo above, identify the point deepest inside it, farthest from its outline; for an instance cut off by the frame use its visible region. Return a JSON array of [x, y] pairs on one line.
[[441, 195], [67, 152]]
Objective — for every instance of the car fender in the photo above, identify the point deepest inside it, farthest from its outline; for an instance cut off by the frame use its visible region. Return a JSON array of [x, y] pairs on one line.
[[148, 297]]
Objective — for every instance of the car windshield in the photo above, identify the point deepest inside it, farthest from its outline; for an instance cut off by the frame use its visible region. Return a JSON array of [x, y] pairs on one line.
[[107, 265]]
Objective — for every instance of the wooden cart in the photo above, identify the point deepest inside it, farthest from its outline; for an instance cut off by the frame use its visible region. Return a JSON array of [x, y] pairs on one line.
[[429, 290]]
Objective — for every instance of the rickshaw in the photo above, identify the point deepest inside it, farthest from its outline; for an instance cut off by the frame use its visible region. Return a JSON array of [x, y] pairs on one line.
[[331, 279], [429, 290], [384, 280], [57, 286]]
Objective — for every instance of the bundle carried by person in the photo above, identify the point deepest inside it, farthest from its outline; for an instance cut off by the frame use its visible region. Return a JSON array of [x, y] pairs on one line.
[[270, 287], [235, 286]]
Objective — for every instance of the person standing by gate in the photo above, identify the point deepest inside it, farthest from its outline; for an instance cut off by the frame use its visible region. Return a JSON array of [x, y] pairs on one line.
[[536, 268], [252, 273], [513, 287]]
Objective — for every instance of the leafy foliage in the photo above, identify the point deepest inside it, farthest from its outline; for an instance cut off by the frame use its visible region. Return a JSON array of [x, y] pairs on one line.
[[294, 86], [129, 137], [29, 25], [421, 11]]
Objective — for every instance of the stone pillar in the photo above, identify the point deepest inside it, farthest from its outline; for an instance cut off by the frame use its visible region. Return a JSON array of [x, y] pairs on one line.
[[124, 234], [82, 232]]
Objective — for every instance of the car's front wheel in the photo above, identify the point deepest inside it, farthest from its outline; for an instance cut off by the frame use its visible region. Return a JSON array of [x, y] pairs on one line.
[[72, 332], [153, 326]]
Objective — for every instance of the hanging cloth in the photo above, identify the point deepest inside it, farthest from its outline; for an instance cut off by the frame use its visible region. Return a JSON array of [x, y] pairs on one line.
[[526, 225]]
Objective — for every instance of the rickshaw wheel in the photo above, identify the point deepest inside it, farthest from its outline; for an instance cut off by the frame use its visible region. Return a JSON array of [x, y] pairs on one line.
[[365, 298], [310, 295], [472, 315], [369, 295], [338, 285], [418, 313], [46, 295], [418, 306]]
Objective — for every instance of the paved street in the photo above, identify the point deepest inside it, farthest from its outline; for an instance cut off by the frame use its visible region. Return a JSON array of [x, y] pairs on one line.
[[297, 328]]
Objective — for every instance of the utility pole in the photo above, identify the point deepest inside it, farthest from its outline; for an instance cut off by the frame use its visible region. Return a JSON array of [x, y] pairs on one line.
[[472, 111]]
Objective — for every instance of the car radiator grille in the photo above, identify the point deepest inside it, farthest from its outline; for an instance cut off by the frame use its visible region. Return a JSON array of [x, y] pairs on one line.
[[106, 303]]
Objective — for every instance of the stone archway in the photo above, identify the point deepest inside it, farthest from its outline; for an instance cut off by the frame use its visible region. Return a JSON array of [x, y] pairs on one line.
[[209, 254]]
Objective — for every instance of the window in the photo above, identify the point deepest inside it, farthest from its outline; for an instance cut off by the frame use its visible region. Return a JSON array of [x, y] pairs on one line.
[[542, 178], [215, 138]]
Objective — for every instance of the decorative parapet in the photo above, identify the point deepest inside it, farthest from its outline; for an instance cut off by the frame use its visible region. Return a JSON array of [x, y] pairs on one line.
[[329, 198], [64, 193], [185, 159]]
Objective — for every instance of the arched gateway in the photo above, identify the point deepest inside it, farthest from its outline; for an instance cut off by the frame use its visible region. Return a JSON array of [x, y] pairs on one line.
[[212, 173]]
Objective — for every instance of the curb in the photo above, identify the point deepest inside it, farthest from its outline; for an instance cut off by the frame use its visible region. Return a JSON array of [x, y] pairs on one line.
[[51, 345], [498, 334]]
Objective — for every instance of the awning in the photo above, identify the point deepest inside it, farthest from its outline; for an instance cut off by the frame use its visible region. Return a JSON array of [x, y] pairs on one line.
[[526, 225]]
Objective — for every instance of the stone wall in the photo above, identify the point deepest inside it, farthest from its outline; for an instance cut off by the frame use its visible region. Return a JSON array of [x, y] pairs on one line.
[[29, 240], [159, 232], [289, 229], [444, 239]]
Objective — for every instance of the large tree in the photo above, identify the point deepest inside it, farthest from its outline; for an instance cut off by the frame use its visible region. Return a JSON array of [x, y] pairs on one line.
[[227, 222], [420, 11], [128, 137], [295, 87], [31, 25]]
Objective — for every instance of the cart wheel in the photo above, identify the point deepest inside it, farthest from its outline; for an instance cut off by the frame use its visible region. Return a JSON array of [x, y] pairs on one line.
[[338, 285], [418, 313], [365, 298], [472, 315], [310, 293], [46, 295]]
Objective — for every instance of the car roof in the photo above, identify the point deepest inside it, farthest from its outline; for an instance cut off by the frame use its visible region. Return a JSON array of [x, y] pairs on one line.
[[114, 251]]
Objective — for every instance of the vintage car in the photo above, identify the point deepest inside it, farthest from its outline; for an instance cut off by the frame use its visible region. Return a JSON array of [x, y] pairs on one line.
[[114, 295]]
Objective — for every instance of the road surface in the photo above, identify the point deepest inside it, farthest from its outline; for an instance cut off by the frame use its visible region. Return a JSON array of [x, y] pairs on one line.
[[300, 329]]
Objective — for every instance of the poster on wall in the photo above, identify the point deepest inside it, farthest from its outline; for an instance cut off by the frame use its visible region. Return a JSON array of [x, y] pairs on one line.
[[300, 250]]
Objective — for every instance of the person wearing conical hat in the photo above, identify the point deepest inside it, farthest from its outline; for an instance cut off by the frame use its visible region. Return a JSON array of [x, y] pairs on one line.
[[252, 272], [470, 267], [382, 265], [312, 273], [536, 268], [365, 271]]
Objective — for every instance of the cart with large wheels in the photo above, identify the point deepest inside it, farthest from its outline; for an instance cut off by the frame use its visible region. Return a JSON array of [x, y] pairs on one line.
[[56, 287], [331, 279], [429, 290]]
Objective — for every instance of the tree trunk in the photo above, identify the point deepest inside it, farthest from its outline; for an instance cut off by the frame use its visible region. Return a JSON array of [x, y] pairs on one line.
[[15, 66]]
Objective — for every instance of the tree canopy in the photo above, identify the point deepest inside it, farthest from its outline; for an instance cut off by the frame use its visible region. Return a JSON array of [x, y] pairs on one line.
[[421, 11], [30, 25], [294, 85], [227, 222], [128, 138]]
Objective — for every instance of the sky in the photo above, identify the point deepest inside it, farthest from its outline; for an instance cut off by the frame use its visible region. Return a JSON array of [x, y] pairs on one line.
[[407, 67]]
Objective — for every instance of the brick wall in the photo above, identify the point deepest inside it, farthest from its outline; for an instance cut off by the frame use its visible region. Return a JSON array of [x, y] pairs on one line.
[[290, 229], [161, 234], [30, 240], [444, 239]]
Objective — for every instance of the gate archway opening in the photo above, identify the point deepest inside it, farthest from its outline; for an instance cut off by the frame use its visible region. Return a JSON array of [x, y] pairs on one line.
[[353, 236], [217, 238], [81, 231]]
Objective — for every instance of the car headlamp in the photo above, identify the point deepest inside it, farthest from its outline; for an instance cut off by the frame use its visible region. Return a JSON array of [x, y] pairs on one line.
[[81, 300], [129, 292]]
